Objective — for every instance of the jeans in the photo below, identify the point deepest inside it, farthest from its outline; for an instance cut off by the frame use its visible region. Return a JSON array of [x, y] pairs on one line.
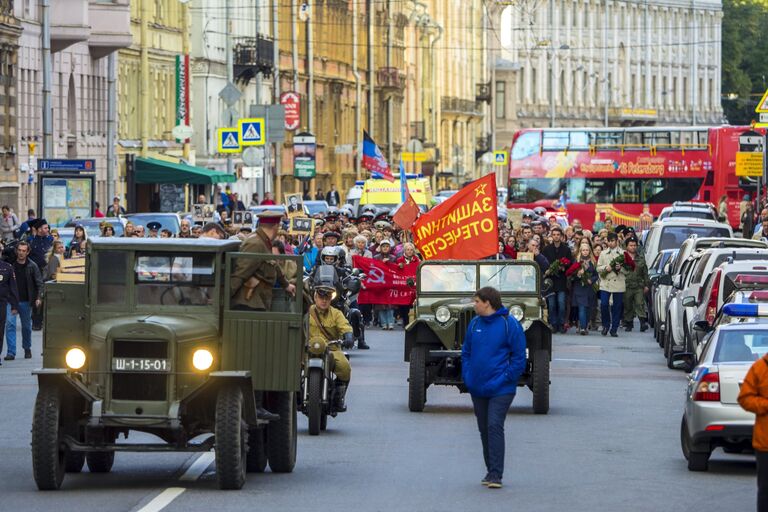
[[611, 314], [556, 307], [762, 480], [491, 413], [25, 314], [584, 313], [386, 317]]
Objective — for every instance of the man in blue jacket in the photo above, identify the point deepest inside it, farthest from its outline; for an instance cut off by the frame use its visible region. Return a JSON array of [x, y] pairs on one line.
[[492, 360]]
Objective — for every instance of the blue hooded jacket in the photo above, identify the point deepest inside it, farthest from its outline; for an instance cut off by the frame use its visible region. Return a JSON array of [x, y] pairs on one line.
[[493, 355]]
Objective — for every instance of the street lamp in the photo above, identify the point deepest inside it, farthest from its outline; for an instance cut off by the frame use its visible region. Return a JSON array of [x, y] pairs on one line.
[[551, 50]]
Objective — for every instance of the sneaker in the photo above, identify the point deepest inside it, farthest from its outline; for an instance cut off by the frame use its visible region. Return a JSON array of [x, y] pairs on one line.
[[583, 332], [9, 357], [486, 480], [604, 332], [495, 483], [614, 334], [27, 353]]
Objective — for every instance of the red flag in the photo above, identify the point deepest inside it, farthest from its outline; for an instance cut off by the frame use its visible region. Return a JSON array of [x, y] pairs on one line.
[[465, 227], [408, 212], [374, 160], [386, 283]]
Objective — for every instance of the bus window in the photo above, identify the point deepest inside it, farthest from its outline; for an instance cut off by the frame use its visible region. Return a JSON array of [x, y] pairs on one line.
[[579, 141], [599, 191], [671, 190], [529, 190], [650, 188], [627, 191], [527, 144], [606, 140], [555, 141], [576, 190]]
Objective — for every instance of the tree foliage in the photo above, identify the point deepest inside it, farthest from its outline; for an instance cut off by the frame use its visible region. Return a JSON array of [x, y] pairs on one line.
[[744, 57]]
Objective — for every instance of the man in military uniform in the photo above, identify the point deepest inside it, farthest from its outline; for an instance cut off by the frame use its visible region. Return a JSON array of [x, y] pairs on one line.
[[9, 295], [329, 324], [252, 281], [637, 282]]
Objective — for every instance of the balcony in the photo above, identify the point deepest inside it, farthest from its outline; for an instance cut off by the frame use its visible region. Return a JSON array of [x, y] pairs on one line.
[[253, 55], [390, 78], [459, 106], [482, 145], [483, 93], [110, 27], [6, 13], [69, 23]]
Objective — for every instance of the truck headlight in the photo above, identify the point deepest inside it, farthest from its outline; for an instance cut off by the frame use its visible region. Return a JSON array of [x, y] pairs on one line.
[[443, 314], [75, 358], [517, 312], [202, 359]]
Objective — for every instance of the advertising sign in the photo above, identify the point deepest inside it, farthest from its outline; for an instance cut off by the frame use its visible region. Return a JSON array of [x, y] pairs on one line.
[[66, 197], [292, 103], [304, 152], [182, 91]]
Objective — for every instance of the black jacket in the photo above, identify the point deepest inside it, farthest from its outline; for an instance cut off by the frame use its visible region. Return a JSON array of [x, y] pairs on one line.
[[34, 281], [552, 253]]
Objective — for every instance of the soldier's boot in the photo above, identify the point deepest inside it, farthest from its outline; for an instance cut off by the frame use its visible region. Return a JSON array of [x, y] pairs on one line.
[[628, 326], [338, 398], [643, 325], [362, 345]]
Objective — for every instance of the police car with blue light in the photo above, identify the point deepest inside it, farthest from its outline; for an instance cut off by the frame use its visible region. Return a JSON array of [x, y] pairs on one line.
[[713, 417]]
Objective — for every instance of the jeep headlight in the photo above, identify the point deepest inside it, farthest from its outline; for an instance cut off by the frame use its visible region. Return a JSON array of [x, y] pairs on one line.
[[517, 312], [317, 346], [75, 358], [202, 359], [443, 314]]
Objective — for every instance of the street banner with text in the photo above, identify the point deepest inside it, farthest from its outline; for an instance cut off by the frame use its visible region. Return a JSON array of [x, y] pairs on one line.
[[386, 283], [465, 227]]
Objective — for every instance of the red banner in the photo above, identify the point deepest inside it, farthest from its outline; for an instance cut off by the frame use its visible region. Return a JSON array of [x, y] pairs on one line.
[[465, 227], [386, 283]]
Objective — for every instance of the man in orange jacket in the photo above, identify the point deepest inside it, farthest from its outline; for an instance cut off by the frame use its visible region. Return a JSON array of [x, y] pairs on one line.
[[753, 397]]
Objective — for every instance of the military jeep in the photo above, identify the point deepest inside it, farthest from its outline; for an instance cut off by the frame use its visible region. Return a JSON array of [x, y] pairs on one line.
[[149, 343], [444, 308]]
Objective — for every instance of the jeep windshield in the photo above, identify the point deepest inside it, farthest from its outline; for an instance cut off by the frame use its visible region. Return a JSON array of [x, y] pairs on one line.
[[468, 278], [174, 280]]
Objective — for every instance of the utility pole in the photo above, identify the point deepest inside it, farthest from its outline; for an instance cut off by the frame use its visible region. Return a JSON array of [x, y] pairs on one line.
[[260, 182], [144, 85], [694, 62], [606, 82], [230, 68], [47, 72], [276, 90], [358, 92], [111, 124], [552, 64], [371, 72]]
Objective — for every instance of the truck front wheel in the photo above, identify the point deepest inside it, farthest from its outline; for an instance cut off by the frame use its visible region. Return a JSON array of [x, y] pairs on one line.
[[48, 453], [231, 433], [417, 379]]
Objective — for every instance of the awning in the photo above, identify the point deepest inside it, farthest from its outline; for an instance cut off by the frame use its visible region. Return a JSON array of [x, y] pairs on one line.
[[150, 170]]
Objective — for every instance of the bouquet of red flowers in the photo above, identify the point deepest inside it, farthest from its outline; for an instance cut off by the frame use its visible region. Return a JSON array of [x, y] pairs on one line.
[[558, 267], [573, 273], [624, 260]]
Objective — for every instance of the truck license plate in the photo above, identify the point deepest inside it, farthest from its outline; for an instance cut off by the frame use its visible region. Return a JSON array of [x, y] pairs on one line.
[[140, 364]]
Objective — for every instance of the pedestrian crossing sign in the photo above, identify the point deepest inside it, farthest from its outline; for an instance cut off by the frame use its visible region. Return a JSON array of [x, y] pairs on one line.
[[762, 106], [252, 131], [228, 140], [499, 158]]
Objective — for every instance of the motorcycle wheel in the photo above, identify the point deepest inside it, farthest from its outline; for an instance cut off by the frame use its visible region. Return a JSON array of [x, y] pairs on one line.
[[315, 400]]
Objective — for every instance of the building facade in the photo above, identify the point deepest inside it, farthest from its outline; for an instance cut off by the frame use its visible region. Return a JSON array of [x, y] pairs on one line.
[[83, 34], [603, 62], [10, 30]]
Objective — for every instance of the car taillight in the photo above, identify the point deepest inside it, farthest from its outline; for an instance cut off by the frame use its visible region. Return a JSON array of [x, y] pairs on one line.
[[712, 301], [708, 388]]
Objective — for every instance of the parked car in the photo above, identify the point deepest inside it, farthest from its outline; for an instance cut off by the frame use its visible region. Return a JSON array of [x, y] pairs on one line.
[[712, 417], [92, 225], [315, 207], [660, 265], [720, 284], [169, 221], [689, 211], [671, 234]]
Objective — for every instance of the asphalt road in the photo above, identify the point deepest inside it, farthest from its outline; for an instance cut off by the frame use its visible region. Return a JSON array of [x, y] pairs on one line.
[[609, 443]]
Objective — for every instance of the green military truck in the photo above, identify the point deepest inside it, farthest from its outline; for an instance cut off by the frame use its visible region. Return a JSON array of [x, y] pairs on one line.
[[149, 343], [444, 308]]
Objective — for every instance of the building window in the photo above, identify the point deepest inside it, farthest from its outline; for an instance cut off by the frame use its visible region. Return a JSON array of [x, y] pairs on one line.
[[501, 110]]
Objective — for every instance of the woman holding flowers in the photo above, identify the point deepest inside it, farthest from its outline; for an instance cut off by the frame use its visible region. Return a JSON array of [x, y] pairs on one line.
[[584, 280]]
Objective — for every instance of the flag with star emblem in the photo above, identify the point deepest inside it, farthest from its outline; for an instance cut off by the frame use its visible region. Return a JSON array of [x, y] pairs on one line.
[[465, 227]]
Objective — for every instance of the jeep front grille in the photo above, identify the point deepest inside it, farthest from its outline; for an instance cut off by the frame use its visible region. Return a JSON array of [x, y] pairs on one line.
[[139, 385], [462, 324]]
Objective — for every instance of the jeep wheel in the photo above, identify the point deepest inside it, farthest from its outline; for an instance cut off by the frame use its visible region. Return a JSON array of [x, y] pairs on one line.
[[282, 434], [256, 461], [73, 461], [231, 434], [697, 461], [100, 462], [417, 377], [315, 400], [48, 454], [540, 379]]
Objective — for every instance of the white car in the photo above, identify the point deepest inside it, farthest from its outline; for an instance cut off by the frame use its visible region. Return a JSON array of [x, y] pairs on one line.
[[713, 417], [670, 234]]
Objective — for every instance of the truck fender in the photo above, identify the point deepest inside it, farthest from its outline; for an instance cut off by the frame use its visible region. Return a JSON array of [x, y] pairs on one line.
[[204, 397], [71, 389]]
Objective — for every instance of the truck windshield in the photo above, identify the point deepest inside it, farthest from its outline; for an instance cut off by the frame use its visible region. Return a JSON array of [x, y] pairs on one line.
[[448, 278], [509, 278], [174, 280]]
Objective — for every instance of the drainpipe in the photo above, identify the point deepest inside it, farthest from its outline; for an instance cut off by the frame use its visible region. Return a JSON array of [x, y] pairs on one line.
[[111, 124], [230, 68], [371, 72], [47, 108], [278, 188], [295, 46], [358, 91], [144, 85], [434, 84]]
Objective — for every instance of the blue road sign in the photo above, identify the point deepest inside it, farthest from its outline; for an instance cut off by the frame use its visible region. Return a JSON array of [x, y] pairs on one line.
[[252, 131], [48, 165], [228, 140]]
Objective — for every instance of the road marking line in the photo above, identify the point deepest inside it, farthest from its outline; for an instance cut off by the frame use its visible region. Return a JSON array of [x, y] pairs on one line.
[[162, 500], [198, 467]]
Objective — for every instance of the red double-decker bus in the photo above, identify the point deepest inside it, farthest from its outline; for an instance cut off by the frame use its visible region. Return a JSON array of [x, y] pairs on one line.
[[623, 173]]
